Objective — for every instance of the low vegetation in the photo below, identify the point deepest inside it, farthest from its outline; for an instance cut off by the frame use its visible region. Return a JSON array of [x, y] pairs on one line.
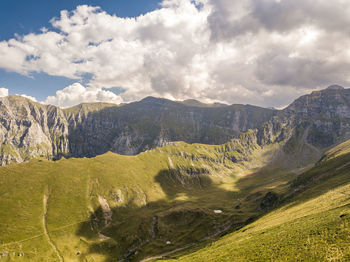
[[312, 222], [178, 197]]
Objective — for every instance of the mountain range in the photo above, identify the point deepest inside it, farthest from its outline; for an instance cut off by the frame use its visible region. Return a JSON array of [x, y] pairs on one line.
[[29, 129]]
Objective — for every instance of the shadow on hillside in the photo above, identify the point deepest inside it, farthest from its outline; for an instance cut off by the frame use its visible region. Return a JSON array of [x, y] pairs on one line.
[[321, 179], [185, 217]]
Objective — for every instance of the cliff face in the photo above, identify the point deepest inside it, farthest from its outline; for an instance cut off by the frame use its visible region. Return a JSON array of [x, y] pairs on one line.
[[29, 129], [324, 114], [309, 126], [152, 122]]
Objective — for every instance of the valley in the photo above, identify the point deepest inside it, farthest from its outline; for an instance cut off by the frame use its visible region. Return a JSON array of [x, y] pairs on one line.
[[270, 192], [311, 224], [175, 130]]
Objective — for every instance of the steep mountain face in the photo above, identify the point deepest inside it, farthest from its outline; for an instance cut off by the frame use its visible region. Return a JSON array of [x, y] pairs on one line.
[[152, 122], [308, 127], [325, 113], [305, 129], [30, 129], [314, 123]]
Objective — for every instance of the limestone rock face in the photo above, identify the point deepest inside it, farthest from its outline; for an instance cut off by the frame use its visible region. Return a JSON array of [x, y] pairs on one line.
[[325, 113], [30, 130], [133, 128]]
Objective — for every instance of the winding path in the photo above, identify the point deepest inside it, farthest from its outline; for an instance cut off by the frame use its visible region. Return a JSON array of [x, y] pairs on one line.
[[46, 232], [227, 227]]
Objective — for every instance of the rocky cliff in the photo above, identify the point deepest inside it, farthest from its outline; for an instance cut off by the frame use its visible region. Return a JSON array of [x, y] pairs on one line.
[[310, 125], [29, 129], [326, 115], [152, 122]]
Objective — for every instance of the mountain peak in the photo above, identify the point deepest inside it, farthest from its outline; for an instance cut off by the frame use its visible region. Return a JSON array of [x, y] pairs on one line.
[[335, 87], [196, 103], [152, 99]]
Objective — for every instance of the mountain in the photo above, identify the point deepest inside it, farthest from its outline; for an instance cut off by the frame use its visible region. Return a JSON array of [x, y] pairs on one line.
[[152, 122], [196, 103], [306, 128], [316, 122], [29, 129], [326, 113]]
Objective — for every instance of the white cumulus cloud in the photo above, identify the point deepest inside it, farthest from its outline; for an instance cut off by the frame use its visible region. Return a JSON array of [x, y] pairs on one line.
[[4, 92], [77, 93], [29, 97], [263, 52]]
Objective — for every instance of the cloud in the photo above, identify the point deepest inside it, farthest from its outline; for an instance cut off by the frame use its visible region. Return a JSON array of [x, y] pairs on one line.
[[76, 94], [264, 52], [4, 92], [233, 18], [29, 97]]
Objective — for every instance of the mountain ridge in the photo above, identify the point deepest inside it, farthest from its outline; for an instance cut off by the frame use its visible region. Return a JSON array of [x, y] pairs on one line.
[[29, 129]]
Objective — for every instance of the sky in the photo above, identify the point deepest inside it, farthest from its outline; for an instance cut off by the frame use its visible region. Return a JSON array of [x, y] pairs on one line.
[[261, 52]]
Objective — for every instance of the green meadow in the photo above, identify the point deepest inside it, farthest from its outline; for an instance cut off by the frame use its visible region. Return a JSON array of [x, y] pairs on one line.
[[208, 203]]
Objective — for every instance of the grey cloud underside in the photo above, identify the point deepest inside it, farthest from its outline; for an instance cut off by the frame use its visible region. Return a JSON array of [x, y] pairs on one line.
[[279, 69], [232, 20], [272, 15]]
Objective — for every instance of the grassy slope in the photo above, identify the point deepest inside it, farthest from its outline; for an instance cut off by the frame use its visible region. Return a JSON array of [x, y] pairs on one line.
[[178, 184], [169, 194], [312, 224]]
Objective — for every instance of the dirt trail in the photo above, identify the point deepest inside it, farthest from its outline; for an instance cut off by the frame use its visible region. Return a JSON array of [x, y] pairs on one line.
[[43, 234], [46, 232], [341, 167], [168, 253], [21, 241], [226, 228]]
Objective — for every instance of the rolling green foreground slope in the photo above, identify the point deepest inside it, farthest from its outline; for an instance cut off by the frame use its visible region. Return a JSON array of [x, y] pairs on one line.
[[177, 197], [311, 224], [129, 207]]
